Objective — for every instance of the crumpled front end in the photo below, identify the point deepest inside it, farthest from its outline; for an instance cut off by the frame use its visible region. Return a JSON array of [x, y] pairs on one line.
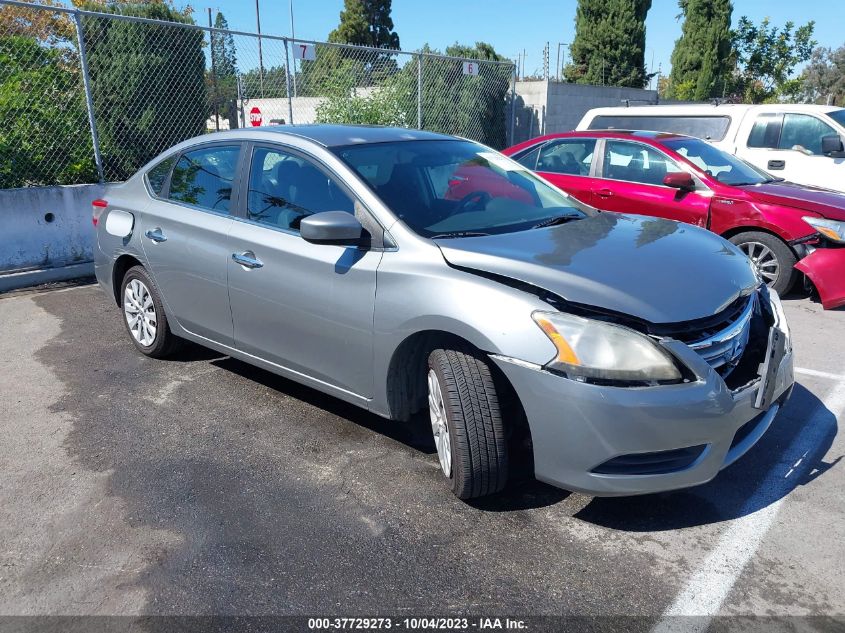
[[611, 440], [825, 267]]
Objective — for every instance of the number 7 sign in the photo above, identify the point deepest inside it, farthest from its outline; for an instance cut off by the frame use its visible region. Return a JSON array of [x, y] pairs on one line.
[[304, 51]]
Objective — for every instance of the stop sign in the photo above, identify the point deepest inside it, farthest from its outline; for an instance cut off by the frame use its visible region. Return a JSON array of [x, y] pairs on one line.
[[255, 116]]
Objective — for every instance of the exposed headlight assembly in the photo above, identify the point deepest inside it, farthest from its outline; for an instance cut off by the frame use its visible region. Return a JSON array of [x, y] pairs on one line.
[[589, 349], [831, 229]]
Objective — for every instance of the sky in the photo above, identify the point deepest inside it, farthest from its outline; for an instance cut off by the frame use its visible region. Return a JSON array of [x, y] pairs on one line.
[[512, 26]]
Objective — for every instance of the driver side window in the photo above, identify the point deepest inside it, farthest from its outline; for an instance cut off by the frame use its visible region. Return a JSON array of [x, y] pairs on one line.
[[634, 162], [567, 156], [284, 188]]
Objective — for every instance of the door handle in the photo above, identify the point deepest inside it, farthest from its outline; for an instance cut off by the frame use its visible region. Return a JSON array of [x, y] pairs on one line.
[[247, 260], [155, 235], [604, 193], [777, 164]]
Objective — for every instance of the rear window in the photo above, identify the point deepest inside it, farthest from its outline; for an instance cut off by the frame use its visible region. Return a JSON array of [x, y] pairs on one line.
[[157, 176], [711, 127]]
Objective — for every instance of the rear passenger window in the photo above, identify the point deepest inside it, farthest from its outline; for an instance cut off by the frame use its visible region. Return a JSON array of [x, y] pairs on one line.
[[569, 156], [766, 131], [157, 176], [284, 188], [204, 177]]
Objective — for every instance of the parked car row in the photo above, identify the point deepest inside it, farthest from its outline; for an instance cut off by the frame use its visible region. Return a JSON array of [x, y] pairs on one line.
[[412, 273], [783, 227], [800, 143]]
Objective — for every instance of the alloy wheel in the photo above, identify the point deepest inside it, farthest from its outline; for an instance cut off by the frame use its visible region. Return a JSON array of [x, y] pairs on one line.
[[439, 423], [140, 312], [764, 260]]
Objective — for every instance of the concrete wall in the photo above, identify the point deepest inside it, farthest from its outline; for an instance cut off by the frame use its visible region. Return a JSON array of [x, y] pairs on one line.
[[46, 227], [546, 107]]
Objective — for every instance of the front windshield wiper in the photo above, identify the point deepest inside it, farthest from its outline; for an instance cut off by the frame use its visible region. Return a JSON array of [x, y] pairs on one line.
[[459, 234], [558, 219]]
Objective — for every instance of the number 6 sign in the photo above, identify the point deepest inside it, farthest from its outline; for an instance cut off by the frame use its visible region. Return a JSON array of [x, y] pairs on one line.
[[471, 68], [304, 51]]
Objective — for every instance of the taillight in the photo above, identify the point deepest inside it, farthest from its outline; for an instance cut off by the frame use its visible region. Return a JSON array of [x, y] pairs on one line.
[[99, 205]]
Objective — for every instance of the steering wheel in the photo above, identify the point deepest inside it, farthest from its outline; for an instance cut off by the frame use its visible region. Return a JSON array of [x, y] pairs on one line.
[[473, 201]]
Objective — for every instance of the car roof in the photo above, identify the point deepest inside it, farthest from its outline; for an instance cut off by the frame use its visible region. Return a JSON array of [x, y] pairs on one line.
[[707, 109], [648, 135], [329, 135]]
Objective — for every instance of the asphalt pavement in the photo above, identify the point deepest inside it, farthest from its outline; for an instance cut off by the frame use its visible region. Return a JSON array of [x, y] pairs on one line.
[[202, 485]]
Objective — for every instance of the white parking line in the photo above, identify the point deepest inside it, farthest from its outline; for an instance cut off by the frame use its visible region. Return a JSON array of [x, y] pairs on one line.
[[820, 374], [710, 585]]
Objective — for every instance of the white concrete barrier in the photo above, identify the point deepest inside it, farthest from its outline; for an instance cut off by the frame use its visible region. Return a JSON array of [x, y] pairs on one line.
[[46, 232], [46, 227]]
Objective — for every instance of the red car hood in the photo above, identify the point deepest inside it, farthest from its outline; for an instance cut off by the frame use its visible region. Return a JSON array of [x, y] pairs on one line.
[[825, 202]]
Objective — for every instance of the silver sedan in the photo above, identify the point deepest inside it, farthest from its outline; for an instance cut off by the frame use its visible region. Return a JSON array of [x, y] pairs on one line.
[[415, 273]]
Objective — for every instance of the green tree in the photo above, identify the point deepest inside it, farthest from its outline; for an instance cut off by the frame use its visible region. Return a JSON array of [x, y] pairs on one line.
[[766, 57], [701, 60], [45, 138], [366, 23], [148, 84], [274, 84], [823, 79], [609, 44], [223, 88]]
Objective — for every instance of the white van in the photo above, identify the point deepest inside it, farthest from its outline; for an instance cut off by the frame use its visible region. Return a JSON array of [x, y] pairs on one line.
[[800, 143]]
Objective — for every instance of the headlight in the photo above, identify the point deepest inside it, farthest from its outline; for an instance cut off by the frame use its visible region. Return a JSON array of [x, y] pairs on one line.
[[831, 229], [599, 350]]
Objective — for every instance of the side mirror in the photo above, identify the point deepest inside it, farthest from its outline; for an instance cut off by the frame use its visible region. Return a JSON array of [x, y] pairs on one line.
[[679, 180], [333, 227], [832, 144]]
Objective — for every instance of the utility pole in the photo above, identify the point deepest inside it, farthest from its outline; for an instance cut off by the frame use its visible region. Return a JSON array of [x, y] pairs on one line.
[[260, 55], [213, 75], [558, 69], [546, 62], [292, 37]]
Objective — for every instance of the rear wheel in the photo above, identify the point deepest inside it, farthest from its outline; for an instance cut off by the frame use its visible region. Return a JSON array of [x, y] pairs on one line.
[[143, 315], [466, 422], [773, 258]]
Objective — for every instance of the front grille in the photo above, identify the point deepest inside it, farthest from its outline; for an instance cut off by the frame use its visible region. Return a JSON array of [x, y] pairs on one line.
[[733, 341], [723, 350]]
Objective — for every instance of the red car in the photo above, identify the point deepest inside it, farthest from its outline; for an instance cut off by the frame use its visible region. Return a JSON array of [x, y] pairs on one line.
[[782, 226]]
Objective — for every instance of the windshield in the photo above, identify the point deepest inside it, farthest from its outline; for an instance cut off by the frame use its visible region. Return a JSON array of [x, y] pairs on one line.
[[838, 116], [720, 165], [454, 188]]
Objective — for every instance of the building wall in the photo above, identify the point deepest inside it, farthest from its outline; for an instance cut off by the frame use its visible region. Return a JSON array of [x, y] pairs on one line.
[[546, 107]]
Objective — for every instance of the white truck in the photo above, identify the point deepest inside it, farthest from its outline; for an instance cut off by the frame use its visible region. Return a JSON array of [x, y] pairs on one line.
[[800, 143]]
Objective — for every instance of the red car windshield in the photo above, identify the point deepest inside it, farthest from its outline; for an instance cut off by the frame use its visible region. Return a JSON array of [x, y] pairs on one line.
[[720, 165], [457, 188]]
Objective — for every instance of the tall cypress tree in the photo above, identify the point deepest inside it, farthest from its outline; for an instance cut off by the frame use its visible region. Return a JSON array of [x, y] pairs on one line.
[[609, 44], [701, 60], [367, 23], [224, 85]]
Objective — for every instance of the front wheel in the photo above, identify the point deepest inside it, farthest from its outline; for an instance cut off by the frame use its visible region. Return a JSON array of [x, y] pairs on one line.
[[771, 256], [466, 421]]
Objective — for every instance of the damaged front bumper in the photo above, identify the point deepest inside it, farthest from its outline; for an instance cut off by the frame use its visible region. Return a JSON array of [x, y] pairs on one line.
[[825, 267]]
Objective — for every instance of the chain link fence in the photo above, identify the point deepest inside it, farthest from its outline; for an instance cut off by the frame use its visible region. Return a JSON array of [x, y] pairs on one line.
[[89, 96]]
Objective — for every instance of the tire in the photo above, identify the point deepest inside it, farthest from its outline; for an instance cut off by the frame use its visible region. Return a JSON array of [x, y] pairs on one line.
[[763, 249], [152, 335], [469, 405]]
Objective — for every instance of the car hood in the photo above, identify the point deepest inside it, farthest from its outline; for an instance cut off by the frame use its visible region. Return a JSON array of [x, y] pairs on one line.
[[830, 204], [657, 270]]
